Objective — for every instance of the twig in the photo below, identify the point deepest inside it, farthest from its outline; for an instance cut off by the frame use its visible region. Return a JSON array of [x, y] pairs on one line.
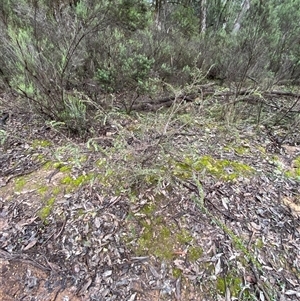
[[194, 188], [258, 282], [23, 173]]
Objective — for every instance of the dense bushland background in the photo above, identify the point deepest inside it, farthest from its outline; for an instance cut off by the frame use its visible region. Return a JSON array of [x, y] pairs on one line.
[[68, 58]]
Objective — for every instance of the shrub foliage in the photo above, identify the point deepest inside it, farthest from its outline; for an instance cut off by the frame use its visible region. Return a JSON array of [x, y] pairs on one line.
[[63, 56]]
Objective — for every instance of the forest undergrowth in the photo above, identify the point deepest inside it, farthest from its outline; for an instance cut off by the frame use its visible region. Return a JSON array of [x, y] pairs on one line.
[[146, 155]]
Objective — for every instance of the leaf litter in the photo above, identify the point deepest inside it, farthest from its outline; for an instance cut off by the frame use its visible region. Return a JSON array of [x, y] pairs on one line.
[[231, 240]]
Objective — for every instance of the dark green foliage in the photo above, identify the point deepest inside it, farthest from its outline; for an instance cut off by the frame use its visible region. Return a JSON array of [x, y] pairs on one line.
[[185, 20], [125, 72], [132, 14], [61, 55]]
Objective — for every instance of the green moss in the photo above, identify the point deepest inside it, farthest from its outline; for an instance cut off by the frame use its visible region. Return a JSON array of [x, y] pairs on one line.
[[81, 180], [176, 273], [241, 150], [78, 181], [148, 209], [195, 253], [107, 177], [42, 190], [295, 172], [184, 237], [156, 240], [259, 243], [66, 180], [57, 165], [40, 143], [40, 157], [72, 183], [221, 286], [48, 165], [80, 212], [297, 162], [20, 183], [233, 283], [101, 162], [262, 149], [44, 213], [222, 169], [208, 267], [46, 210], [152, 178], [56, 190], [65, 168], [156, 237]]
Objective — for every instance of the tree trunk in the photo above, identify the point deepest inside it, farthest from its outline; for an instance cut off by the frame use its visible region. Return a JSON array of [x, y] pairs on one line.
[[238, 20], [203, 15]]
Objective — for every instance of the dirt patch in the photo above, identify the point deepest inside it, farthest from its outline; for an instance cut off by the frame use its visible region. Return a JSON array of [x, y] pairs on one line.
[[23, 281]]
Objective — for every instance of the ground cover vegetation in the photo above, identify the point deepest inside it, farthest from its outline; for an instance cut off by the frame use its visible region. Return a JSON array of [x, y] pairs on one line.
[[149, 150]]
